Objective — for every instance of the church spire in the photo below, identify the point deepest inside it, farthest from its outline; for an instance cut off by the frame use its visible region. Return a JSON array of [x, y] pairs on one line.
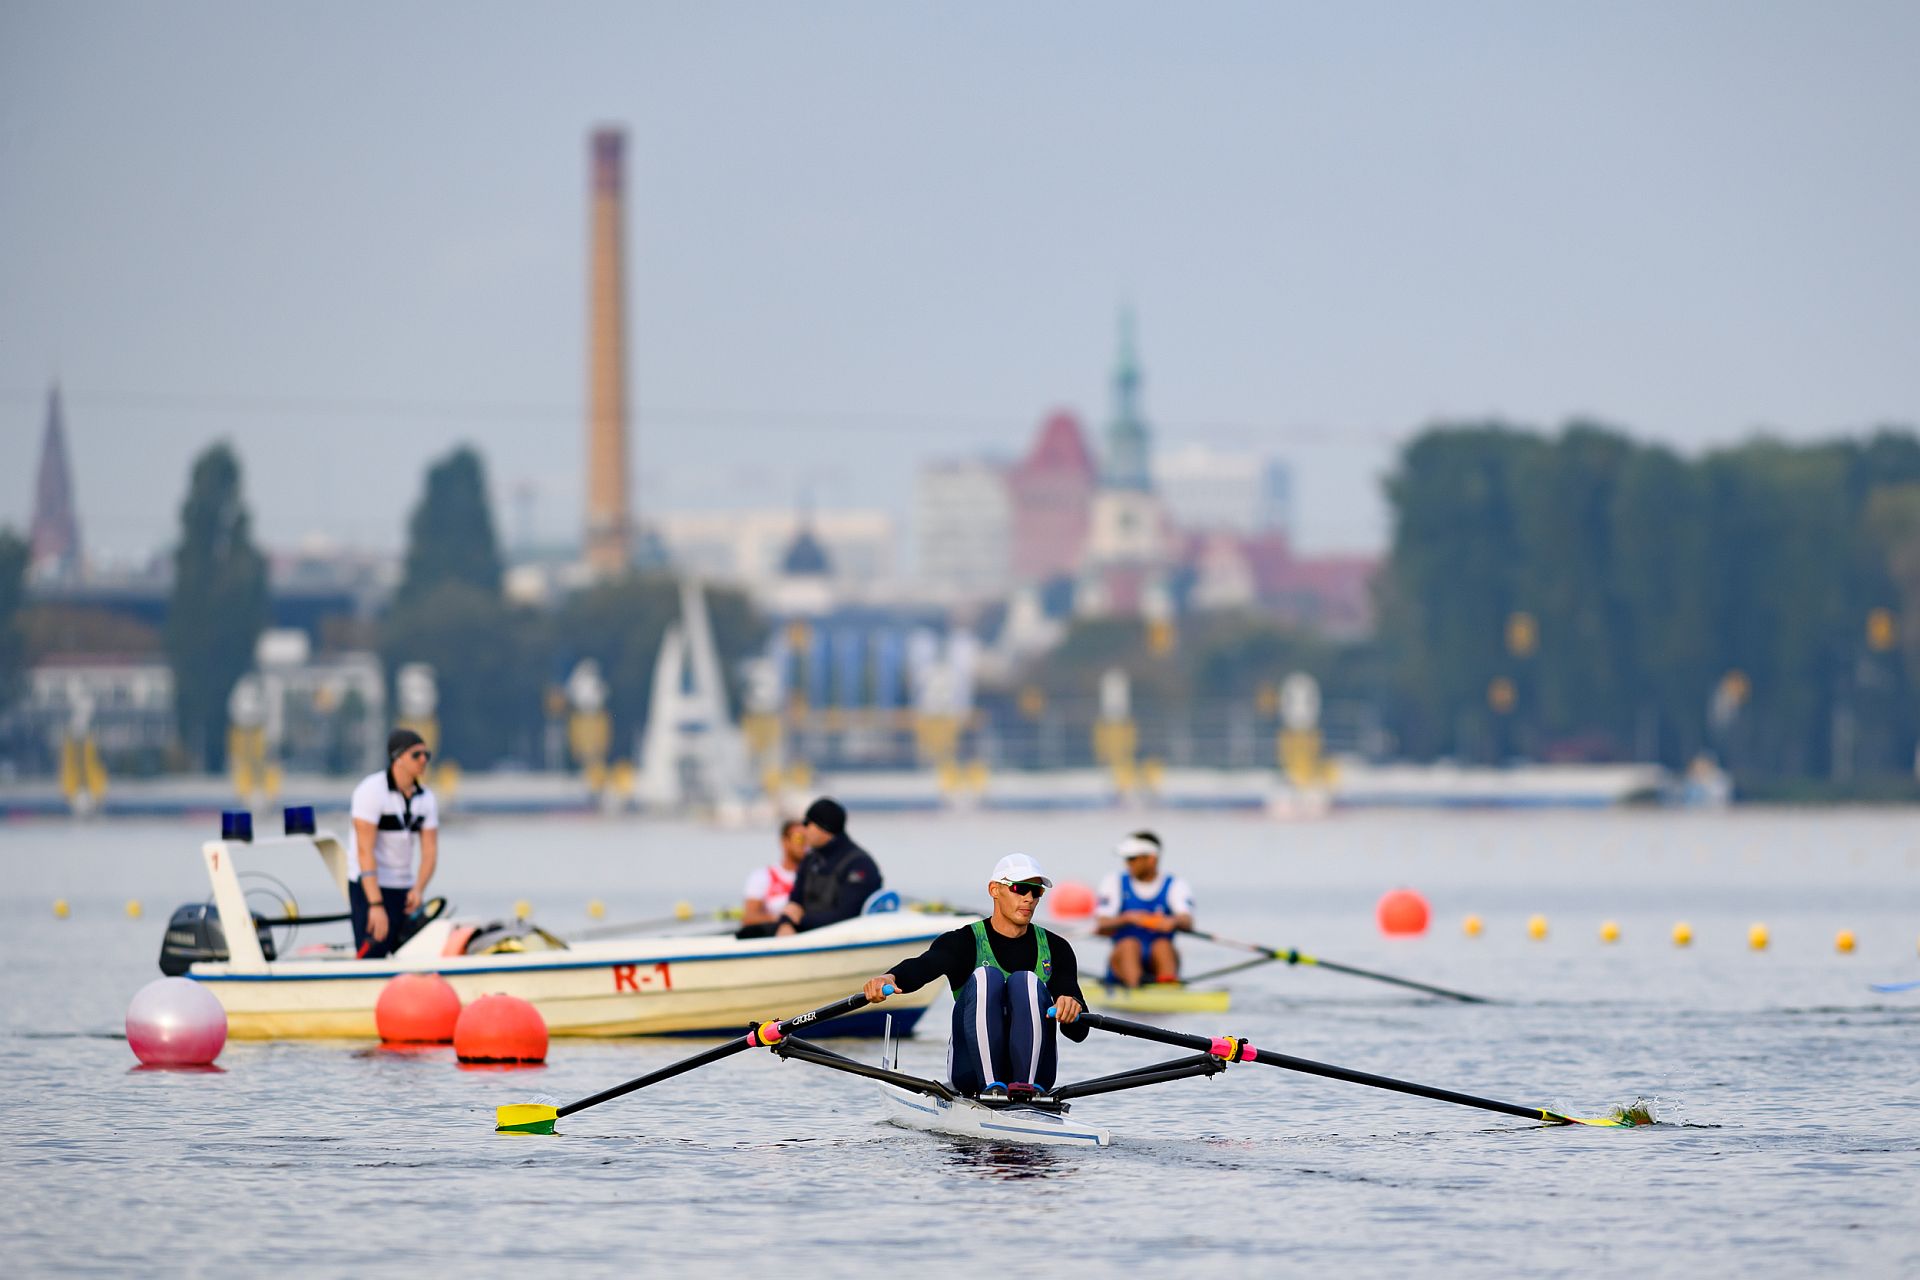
[[1127, 435], [54, 536]]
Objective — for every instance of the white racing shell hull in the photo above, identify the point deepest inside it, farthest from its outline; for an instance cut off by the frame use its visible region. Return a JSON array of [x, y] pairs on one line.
[[962, 1118], [647, 985]]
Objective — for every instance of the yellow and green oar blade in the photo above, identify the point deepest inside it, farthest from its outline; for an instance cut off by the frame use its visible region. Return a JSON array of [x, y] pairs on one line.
[[1631, 1117], [525, 1117]]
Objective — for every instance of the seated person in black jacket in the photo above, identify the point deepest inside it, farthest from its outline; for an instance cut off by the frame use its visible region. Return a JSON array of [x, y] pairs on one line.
[[836, 878]]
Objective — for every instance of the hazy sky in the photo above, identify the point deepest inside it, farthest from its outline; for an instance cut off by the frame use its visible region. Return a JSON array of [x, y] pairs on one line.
[[349, 236]]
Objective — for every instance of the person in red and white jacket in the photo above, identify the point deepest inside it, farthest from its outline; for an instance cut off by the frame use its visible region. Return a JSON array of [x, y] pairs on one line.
[[769, 887]]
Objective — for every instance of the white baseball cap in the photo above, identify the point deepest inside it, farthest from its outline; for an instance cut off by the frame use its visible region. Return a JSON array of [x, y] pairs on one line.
[[1017, 868], [1137, 847]]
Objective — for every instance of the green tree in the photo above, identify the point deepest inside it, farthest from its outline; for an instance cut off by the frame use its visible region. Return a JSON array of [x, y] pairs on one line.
[[486, 658], [219, 604], [450, 614], [1668, 588], [450, 536], [1578, 680], [13, 596], [1454, 574]]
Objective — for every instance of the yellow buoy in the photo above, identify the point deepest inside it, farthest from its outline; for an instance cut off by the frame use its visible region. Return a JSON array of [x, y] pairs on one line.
[[522, 909], [1537, 928], [1609, 931], [1471, 926], [1757, 937], [683, 911], [1843, 942], [596, 909], [133, 908], [60, 909], [1683, 934]]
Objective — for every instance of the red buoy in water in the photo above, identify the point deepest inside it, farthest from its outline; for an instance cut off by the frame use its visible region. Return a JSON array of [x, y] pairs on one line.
[[417, 1008], [500, 1028], [1070, 900], [1402, 913]]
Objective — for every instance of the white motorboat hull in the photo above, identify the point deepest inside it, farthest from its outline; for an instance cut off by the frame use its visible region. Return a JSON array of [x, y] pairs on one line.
[[628, 987], [631, 986]]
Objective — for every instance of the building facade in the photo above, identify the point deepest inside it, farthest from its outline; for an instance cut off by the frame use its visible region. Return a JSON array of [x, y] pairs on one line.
[[1051, 492], [963, 518]]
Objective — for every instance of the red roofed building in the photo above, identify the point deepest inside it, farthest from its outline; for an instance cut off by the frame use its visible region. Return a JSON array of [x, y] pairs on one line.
[[1052, 491], [1333, 594]]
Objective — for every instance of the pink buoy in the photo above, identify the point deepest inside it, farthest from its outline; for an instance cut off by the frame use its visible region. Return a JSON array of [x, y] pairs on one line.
[[176, 1022], [417, 1008], [1402, 913]]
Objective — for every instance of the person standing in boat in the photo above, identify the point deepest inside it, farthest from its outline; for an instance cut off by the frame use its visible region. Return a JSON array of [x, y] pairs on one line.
[[836, 878], [389, 809], [769, 888], [1005, 972], [1141, 909]]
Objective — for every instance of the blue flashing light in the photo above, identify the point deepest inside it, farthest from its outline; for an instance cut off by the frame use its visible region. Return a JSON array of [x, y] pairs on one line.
[[300, 820], [236, 824]]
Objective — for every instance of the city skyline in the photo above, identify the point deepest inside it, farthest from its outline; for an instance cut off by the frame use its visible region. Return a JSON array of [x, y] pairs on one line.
[[1333, 229]]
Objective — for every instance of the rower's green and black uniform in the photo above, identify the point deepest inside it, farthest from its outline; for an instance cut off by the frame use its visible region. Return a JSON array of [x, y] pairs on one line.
[[1002, 989]]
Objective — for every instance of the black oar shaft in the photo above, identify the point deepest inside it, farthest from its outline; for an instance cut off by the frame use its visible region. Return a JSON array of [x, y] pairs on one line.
[[1398, 982], [655, 1077], [739, 1045], [1294, 956], [1286, 1062]]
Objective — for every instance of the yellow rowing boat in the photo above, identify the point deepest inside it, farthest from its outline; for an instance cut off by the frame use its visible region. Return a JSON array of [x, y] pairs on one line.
[[1160, 997]]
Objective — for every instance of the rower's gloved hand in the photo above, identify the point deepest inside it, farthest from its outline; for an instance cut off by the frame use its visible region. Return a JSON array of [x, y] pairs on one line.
[[1066, 1009], [878, 989]]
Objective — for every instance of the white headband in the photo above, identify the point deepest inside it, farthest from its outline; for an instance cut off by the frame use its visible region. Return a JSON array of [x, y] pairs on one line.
[[1136, 846]]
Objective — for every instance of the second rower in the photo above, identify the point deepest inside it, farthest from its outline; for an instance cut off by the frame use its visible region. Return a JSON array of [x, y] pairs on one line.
[[1141, 910]]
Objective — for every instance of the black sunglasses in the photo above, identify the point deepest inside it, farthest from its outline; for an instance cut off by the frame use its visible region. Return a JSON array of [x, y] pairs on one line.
[[420, 753], [1027, 890]]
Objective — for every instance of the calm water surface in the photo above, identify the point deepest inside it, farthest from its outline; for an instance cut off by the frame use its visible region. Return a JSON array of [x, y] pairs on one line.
[[1789, 1142]]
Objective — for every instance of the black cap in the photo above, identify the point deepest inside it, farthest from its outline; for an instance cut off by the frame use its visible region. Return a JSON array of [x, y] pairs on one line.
[[827, 815], [401, 741]]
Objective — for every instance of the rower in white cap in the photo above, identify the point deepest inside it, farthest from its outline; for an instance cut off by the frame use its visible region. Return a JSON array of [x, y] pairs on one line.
[[1006, 972], [1141, 910]]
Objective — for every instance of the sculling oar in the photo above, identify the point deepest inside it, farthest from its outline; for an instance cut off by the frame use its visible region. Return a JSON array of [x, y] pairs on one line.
[[1232, 1050], [535, 1117], [1293, 956]]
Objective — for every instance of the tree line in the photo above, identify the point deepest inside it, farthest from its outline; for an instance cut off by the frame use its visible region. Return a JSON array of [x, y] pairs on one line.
[[1582, 595], [1576, 595], [497, 664]]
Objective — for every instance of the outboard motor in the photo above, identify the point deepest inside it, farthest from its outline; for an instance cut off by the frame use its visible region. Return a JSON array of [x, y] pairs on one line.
[[194, 934]]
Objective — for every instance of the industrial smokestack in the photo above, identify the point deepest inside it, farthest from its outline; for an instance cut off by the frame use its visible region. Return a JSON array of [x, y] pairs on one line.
[[609, 535]]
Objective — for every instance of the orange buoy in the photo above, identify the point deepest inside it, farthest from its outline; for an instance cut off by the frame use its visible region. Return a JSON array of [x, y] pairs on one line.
[[500, 1028], [1402, 913], [1070, 900], [416, 1008]]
